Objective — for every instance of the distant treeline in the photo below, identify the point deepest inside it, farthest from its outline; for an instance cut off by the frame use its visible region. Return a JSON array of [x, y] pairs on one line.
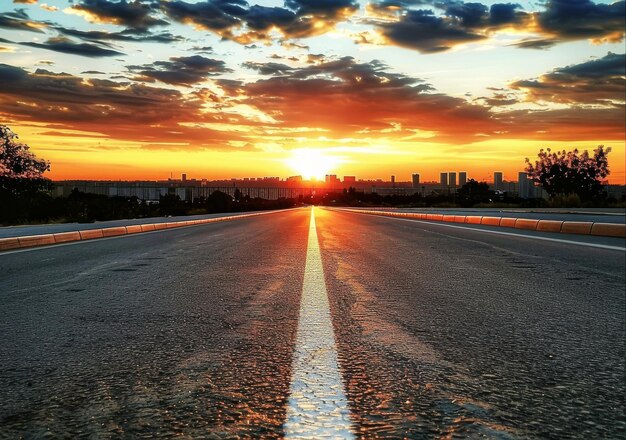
[[37, 206]]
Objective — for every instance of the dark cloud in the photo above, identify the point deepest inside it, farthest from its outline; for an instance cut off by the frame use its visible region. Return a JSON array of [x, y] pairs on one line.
[[65, 45], [238, 21], [537, 43], [583, 19], [505, 14], [470, 15], [92, 72], [269, 68], [426, 32], [215, 15], [184, 71], [599, 82], [19, 20], [429, 32], [136, 15], [202, 49], [451, 22], [133, 36]]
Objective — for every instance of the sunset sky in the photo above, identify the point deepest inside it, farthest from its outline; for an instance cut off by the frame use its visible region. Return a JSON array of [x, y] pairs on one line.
[[228, 88]]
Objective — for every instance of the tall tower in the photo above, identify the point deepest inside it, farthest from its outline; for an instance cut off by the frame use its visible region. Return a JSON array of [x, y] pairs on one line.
[[462, 178], [416, 180], [452, 179], [443, 180], [497, 181]]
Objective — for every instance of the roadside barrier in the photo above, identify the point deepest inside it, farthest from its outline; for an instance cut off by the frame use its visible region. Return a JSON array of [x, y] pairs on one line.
[[90, 234], [563, 227]]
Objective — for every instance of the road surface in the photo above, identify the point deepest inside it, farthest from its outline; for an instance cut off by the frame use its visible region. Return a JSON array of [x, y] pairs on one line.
[[345, 325], [578, 215], [55, 228]]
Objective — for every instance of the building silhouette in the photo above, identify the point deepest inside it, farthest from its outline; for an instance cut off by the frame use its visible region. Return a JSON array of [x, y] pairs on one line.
[[497, 181], [452, 180]]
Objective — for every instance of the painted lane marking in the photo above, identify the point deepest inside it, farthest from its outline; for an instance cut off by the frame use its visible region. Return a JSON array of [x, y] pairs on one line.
[[318, 407], [489, 231]]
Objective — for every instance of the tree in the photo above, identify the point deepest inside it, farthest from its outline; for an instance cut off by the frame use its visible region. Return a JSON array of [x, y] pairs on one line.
[[474, 192], [571, 172], [16, 161], [171, 204], [21, 181], [218, 201]]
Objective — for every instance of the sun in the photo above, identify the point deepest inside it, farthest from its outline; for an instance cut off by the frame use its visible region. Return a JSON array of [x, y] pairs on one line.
[[311, 163]]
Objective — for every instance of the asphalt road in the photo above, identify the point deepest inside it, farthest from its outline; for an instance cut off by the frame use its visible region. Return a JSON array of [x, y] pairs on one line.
[[54, 228], [600, 215], [581, 215], [440, 332]]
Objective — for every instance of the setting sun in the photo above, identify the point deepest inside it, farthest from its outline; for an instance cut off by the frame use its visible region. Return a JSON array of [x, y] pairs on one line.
[[311, 163]]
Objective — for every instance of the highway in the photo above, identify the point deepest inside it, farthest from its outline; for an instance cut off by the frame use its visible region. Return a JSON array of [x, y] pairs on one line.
[[582, 215], [335, 324]]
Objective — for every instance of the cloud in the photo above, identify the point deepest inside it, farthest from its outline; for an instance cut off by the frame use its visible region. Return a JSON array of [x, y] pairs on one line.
[[583, 19], [428, 32], [202, 49], [268, 68], [48, 7], [351, 99], [121, 110], [26, 2], [19, 20], [347, 97], [184, 71], [598, 82], [236, 20], [448, 23], [125, 35], [65, 45], [536, 43], [135, 15]]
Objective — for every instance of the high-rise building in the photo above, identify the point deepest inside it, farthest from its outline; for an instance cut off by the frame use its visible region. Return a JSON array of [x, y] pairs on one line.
[[349, 179], [462, 178], [332, 179], [452, 179], [184, 177], [497, 181], [525, 186], [416, 180], [443, 180], [393, 181]]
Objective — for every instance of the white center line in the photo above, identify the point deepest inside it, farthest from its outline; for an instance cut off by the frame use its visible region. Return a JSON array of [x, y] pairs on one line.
[[318, 407]]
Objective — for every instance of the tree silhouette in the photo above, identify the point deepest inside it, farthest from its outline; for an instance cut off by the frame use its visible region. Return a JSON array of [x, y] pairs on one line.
[[16, 161], [571, 172], [218, 201], [473, 192], [21, 180]]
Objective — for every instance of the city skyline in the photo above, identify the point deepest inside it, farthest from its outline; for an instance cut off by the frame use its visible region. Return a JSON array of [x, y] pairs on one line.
[[109, 89]]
